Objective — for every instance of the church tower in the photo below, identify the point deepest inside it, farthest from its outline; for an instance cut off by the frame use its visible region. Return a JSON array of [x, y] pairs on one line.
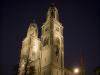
[[52, 53], [45, 56], [30, 52]]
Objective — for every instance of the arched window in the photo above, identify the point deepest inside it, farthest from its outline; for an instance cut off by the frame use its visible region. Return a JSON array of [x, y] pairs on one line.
[[52, 14], [32, 70], [57, 46], [57, 41], [46, 42], [57, 72], [65, 73]]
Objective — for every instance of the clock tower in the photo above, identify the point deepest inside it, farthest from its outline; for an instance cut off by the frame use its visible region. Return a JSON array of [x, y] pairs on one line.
[[52, 55]]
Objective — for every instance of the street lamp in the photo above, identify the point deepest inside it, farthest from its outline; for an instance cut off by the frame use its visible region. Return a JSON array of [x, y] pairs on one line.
[[76, 70]]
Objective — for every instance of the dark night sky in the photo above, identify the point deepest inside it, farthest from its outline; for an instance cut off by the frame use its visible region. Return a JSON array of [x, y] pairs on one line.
[[80, 19]]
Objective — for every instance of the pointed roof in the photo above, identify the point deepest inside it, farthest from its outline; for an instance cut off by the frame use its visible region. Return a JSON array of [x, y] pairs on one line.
[[32, 28], [33, 23], [52, 12]]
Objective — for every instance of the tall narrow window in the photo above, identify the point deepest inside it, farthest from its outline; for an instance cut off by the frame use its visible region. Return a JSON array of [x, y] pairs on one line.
[[45, 42], [57, 59], [45, 59], [57, 72], [65, 73]]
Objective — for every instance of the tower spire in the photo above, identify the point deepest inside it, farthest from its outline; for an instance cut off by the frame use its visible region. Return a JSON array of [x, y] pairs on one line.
[[32, 30], [52, 12]]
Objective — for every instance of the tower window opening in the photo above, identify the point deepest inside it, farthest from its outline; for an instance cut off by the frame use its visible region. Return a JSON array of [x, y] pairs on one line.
[[57, 72], [45, 42], [52, 14], [57, 59], [45, 59]]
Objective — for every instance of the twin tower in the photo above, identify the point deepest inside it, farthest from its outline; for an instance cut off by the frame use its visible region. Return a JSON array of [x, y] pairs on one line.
[[43, 56]]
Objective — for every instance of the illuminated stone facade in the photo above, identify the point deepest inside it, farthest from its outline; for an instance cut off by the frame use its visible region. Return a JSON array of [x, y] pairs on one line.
[[43, 56]]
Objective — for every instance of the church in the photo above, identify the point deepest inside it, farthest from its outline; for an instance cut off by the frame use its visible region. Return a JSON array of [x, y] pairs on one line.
[[45, 55]]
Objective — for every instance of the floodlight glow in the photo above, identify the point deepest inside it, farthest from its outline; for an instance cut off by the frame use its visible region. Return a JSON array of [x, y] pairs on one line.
[[76, 70]]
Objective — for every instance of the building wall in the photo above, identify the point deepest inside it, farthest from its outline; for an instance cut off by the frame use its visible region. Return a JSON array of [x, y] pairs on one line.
[[45, 60]]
